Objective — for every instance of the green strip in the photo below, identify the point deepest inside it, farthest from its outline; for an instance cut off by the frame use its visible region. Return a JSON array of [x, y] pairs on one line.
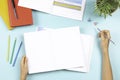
[[67, 5], [13, 51]]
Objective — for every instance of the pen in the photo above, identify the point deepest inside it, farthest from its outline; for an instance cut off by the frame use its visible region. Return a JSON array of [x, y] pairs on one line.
[[14, 8]]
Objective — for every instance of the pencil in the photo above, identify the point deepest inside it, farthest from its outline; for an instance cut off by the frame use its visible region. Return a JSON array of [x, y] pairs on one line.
[[17, 54], [8, 50], [13, 50], [109, 39], [14, 8]]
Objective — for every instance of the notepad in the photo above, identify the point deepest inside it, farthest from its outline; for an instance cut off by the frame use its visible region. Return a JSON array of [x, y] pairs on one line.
[[73, 9], [50, 50]]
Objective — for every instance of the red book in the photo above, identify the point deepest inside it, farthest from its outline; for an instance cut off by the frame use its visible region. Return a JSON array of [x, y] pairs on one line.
[[19, 16]]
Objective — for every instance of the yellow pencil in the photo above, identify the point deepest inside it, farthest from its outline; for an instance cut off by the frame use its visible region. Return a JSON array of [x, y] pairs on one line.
[[8, 50]]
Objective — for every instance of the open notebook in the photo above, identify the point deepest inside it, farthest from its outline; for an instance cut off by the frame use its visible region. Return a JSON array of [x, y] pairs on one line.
[[87, 46], [73, 9], [49, 50]]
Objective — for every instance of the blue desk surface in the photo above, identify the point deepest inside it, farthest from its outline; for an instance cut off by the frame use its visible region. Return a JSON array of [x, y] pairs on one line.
[[7, 72]]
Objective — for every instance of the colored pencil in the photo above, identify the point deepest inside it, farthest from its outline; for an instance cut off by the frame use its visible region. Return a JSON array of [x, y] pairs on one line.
[[17, 54], [109, 39], [8, 50], [13, 50]]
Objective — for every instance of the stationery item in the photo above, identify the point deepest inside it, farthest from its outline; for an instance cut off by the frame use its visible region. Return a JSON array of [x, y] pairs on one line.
[[0, 9], [8, 50], [76, 12], [17, 54], [4, 13], [54, 49], [13, 51], [89, 20], [109, 39], [66, 8], [87, 46], [95, 23], [19, 16], [14, 8]]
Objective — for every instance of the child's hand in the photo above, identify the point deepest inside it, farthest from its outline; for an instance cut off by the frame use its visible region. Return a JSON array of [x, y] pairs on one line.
[[105, 37], [24, 68], [106, 66]]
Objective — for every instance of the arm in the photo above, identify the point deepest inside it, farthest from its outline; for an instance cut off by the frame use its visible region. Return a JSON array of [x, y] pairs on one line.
[[106, 66], [24, 68]]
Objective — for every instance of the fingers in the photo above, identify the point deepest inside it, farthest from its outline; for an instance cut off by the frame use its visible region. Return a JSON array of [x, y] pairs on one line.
[[108, 35], [101, 35], [24, 61], [105, 34]]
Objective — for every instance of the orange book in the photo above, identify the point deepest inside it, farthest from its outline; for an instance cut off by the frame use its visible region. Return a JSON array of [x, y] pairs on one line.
[[19, 16]]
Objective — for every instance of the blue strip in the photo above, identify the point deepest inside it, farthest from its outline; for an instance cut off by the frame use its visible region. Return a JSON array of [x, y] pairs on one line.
[[75, 1]]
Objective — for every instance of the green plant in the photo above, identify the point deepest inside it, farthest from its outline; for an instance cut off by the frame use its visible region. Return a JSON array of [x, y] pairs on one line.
[[106, 7]]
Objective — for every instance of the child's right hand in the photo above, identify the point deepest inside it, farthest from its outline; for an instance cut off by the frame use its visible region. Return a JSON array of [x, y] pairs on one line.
[[105, 37]]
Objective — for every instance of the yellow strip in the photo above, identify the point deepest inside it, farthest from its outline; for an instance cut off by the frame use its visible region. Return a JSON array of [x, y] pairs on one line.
[[67, 5]]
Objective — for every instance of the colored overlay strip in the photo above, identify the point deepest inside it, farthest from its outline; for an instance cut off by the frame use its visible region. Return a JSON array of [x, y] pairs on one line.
[[67, 5], [75, 1]]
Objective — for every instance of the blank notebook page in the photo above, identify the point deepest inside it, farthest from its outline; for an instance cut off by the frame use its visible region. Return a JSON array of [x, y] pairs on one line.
[[49, 50], [87, 43]]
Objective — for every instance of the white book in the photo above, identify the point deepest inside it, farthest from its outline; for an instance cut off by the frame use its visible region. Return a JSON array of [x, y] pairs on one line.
[[73, 9], [57, 49]]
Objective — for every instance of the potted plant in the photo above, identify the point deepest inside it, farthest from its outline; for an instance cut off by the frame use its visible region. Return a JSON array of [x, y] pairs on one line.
[[106, 7]]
